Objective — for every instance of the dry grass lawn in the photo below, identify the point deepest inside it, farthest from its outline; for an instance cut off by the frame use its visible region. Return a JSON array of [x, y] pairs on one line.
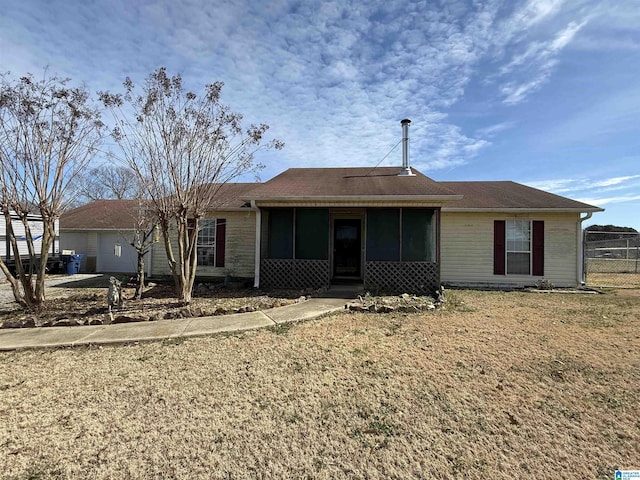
[[625, 280], [497, 385]]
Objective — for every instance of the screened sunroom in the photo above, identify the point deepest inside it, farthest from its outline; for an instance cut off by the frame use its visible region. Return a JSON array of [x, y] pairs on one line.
[[384, 248]]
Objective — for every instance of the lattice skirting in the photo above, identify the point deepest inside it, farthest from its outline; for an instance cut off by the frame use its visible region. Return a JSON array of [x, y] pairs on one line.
[[288, 273], [402, 277]]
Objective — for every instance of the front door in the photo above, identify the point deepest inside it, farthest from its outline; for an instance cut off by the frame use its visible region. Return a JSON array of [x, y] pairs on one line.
[[347, 245]]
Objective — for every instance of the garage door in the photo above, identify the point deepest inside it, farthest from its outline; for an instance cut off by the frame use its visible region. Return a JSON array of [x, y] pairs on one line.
[[109, 246]]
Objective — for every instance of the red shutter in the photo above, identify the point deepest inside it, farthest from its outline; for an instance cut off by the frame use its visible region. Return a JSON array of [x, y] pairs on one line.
[[499, 247], [538, 249], [221, 229]]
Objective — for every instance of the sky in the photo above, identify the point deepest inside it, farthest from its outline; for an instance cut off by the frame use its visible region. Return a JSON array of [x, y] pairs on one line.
[[541, 92]]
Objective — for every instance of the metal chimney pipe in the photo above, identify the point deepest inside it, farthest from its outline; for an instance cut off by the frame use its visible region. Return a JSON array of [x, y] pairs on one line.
[[406, 168]]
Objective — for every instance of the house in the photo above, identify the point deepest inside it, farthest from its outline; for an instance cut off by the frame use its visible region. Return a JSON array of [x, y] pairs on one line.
[[390, 228], [508, 234], [102, 231], [374, 226], [226, 238]]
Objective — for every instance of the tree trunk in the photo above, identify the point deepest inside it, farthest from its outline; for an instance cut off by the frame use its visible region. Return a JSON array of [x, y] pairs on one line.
[[140, 276], [15, 286], [24, 296], [48, 235]]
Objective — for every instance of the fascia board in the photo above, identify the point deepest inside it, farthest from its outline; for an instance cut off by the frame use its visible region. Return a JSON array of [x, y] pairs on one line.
[[363, 198], [521, 210]]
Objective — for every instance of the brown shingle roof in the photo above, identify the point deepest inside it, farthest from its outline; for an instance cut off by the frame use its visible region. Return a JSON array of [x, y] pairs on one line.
[[347, 182], [102, 215], [121, 214], [509, 195], [232, 195]]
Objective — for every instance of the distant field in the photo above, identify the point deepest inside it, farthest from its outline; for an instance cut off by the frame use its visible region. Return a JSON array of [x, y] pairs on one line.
[[497, 385]]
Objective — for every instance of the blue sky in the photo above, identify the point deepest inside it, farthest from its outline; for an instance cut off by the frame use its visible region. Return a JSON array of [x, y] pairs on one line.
[[542, 92]]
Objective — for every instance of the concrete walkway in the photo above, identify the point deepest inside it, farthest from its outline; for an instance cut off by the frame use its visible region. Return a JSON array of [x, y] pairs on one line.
[[23, 338]]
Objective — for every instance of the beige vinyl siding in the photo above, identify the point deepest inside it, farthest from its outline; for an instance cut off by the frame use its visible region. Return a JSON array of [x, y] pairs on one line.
[[240, 248], [467, 249]]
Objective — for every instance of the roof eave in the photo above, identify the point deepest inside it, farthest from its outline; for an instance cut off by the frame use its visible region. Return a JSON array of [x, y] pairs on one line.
[[524, 209], [352, 198]]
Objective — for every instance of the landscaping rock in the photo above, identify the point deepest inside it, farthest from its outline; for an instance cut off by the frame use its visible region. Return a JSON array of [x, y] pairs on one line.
[[128, 319], [29, 322], [12, 324], [357, 307], [67, 322], [404, 303]]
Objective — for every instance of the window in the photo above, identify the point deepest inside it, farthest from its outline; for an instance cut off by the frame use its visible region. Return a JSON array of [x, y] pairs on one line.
[[210, 243], [518, 247]]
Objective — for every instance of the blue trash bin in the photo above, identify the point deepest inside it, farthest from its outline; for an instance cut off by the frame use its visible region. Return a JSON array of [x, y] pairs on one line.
[[73, 264]]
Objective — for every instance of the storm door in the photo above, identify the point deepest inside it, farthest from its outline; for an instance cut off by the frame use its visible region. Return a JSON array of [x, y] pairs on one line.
[[347, 247]]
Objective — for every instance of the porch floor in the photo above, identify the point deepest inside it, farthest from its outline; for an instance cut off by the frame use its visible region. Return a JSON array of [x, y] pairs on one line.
[[344, 289]]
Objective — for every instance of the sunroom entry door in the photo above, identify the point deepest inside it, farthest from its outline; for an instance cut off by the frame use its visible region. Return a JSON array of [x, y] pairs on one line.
[[347, 247]]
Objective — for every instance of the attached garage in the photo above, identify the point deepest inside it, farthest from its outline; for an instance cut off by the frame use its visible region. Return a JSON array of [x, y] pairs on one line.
[[102, 231], [115, 254]]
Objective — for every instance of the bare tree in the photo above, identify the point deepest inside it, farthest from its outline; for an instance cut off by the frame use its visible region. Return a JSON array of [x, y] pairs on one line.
[[49, 133], [108, 182], [143, 239], [177, 142]]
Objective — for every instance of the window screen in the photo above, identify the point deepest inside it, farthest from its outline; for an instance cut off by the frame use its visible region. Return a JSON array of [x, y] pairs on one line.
[[383, 234], [418, 243], [281, 233], [312, 233]]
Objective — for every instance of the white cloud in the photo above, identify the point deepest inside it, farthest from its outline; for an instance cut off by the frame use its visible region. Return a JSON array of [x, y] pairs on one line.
[[561, 185], [332, 79], [614, 181], [533, 67], [564, 185], [493, 130], [600, 201]]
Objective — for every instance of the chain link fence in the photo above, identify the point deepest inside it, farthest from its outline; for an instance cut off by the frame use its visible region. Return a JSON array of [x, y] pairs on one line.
[[612, 259]]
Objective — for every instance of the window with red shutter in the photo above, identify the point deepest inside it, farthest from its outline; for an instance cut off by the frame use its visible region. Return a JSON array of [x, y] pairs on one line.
[[211, 242], [518, 247]]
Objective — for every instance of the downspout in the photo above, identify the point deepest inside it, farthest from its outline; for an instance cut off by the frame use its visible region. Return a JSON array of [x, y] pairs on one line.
[[581, 279], [256, 278]]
